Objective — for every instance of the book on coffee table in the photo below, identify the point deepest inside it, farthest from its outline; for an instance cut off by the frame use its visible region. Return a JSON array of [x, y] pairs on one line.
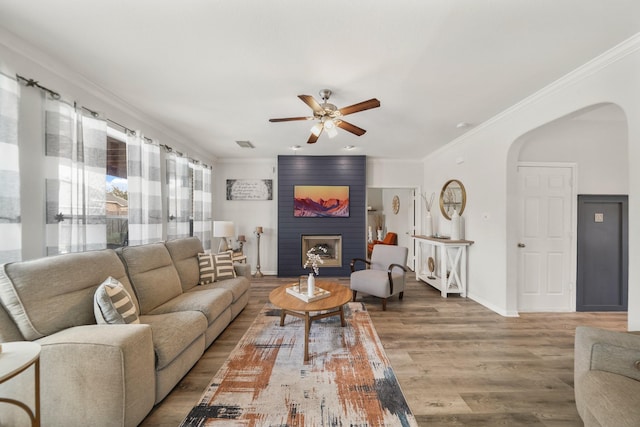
[[318, 293]]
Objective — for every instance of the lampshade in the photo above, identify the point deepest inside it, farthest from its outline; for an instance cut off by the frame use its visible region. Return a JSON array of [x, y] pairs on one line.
[[223, 229], [316, 129], [329, 124]]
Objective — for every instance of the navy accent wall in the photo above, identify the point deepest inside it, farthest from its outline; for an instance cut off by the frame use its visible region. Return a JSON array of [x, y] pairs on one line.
[[321, 170]]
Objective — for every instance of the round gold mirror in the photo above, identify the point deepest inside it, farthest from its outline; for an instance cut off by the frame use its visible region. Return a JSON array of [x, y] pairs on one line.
[[453, 197]]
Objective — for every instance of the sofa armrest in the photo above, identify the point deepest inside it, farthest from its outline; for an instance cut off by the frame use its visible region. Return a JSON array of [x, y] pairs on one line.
[[242, 269], [609, 351], [100, 374], [606, 351]]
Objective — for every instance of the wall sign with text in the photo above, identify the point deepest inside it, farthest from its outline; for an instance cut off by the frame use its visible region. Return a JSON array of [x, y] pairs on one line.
[[249, 189]]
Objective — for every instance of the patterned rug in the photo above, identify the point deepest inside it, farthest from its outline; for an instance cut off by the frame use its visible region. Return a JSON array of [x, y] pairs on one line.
[[348, 380]]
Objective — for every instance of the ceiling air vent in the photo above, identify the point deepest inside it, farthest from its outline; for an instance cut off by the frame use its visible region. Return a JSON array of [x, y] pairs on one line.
[[245, 144]]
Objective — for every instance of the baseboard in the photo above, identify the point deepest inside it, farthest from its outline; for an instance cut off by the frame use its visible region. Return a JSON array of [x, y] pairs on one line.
[[492, 306]]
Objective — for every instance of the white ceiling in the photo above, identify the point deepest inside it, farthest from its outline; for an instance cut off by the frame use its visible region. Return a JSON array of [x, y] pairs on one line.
[[215, 71]]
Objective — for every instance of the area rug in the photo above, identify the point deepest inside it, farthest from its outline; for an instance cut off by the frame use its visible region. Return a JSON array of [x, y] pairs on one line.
[[347, 381]]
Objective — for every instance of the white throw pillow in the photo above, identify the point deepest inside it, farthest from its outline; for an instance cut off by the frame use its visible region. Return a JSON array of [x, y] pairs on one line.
[[113, 304]]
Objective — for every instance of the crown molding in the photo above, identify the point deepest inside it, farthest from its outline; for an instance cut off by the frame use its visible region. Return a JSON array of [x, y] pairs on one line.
[[600, 62], [31, 53]]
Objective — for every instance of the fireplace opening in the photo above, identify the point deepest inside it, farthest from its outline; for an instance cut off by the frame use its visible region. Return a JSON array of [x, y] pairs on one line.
[[333, 245]]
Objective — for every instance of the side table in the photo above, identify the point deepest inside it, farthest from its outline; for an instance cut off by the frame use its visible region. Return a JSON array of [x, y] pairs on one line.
[[15, 358]]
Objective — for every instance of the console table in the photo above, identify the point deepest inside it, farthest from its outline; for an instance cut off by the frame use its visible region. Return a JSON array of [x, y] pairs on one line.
[[450, 264]]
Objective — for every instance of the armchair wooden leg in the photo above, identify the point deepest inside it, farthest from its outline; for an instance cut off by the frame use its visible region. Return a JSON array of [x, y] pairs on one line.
[[401, 295], [354, 296], [384, 304]]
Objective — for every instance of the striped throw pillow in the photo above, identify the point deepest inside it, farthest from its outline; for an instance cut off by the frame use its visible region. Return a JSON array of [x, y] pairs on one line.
[[207, 269], [223, 265], [113, 304]]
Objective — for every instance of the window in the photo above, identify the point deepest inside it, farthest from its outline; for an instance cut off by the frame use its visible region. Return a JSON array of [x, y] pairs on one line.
[[117, 204]]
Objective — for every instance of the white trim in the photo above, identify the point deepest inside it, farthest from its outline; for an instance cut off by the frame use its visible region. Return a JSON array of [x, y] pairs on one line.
[[491, 306]]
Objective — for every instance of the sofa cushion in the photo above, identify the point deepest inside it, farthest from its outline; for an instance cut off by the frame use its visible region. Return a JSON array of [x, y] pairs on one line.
[[113, 304], [206, 268], [153, 275], [184, 253], [238, 286], [211, 303], [172, 333], [46, 295]]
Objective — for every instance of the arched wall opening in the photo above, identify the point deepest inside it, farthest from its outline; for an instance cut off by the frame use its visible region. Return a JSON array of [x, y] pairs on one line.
[[595, 139]]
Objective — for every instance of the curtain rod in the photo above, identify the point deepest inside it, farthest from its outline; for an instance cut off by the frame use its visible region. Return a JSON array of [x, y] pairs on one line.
[[35, 83], [56, 96]]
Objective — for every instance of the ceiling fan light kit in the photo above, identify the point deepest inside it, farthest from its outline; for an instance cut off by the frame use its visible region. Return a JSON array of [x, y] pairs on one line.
[[328, 116]]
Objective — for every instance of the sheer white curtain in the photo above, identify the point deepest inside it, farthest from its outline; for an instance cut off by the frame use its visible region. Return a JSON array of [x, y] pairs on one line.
[[145, 199], [179, 195], [10, 224], [202, 203], [75, 170]]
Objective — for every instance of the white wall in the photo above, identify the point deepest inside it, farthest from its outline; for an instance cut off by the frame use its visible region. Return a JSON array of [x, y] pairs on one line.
[[596, 141], [397, 223], [489, 163], [247, 215], [394, 173]]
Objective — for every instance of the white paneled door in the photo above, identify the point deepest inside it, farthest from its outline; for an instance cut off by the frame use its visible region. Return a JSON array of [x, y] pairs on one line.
[[545, 245]]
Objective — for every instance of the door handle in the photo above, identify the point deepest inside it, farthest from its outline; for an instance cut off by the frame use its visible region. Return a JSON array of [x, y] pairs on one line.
[[522, 245]]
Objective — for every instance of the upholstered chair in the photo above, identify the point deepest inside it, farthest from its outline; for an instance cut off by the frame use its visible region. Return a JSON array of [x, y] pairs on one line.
[[389, 239], [385, 275]]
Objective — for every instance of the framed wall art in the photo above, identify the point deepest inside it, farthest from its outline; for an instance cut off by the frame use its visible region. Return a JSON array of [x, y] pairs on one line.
[[249, 189], [327, 201]]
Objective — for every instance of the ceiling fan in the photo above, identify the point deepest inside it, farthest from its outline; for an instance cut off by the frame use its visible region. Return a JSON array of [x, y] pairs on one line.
[[329, 116]]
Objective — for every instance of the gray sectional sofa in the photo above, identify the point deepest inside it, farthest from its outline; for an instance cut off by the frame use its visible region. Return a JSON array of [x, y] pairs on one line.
[[112, 374]]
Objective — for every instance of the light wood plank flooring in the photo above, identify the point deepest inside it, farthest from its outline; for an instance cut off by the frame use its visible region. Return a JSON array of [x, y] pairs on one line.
[[458, 363]]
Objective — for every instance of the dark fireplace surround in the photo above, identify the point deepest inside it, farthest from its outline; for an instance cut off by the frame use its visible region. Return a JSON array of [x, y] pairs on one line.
[[321, 170]]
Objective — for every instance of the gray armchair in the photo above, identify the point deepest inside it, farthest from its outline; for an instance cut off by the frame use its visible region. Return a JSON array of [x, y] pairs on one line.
[[607, 377], [385, 276]]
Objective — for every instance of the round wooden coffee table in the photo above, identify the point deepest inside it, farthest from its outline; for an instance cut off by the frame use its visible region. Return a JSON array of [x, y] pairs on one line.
[[329, 306]]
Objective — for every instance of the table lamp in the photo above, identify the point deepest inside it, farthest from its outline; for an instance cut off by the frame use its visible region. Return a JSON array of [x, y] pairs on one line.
[[223, 229]]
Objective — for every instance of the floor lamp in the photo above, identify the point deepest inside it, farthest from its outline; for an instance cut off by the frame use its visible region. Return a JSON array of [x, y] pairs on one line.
[[258, 272]]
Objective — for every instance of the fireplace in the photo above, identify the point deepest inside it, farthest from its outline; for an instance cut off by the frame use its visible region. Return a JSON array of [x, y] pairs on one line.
[[333, 245]]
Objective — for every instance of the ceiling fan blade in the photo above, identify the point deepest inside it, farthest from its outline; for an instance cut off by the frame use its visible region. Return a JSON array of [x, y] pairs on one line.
[[360, 106], [350, 128], [311, 102], [290, 119], [313, 138]]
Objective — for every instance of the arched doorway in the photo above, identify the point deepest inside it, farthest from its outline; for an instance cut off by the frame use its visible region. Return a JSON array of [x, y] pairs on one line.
[[595, 140]]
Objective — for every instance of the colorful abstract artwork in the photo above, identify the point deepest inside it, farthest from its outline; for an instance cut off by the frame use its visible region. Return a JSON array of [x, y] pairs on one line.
[[330, 201]]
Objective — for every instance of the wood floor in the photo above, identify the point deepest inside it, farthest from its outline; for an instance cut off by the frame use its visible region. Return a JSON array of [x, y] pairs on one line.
[[458, 363]]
